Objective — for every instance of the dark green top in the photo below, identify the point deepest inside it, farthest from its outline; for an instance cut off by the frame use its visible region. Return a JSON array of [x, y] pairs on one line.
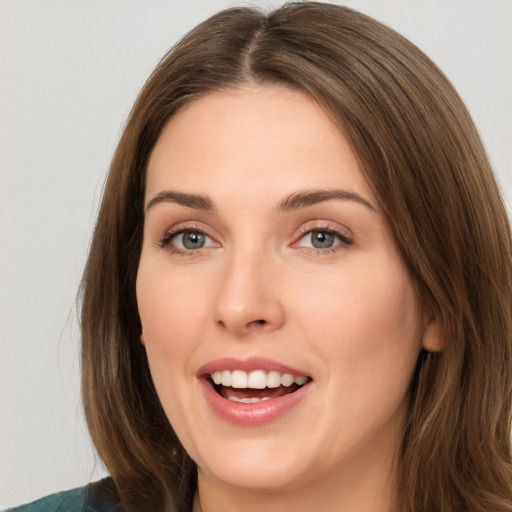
[[96, 497]]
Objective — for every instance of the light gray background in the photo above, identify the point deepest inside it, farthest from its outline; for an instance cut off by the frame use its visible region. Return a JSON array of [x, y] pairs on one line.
[[69, 73]]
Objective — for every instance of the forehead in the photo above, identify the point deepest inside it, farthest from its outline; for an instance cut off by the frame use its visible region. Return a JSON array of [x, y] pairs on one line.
[[262, 136]]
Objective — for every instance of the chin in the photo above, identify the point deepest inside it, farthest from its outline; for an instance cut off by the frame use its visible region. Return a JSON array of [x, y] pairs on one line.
[[255, 465]]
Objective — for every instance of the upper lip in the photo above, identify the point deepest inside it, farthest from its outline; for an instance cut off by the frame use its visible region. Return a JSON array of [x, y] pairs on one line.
[[248, 365]]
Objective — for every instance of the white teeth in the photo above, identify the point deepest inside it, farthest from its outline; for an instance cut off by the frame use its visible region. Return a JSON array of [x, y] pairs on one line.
[[287, 380], [273, 379], [248, 400], [257, 379], [238, 379], [226, 378]]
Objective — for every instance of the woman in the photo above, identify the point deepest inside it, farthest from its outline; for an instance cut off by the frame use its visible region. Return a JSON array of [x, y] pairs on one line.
[[298, 290]]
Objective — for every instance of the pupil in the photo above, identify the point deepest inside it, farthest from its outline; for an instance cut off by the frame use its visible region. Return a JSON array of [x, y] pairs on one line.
[[322, 239], [193, 240]]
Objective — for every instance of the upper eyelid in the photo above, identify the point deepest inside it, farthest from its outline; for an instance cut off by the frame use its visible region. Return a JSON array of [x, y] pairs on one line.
[[306, 227], [324, 225], [180, 227]]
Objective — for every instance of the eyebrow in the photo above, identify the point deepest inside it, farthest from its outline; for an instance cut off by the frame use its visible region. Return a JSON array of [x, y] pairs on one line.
[[191, 200], [293, 202], [311, 197]]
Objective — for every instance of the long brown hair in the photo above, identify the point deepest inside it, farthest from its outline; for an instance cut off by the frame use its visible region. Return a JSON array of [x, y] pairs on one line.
[[426, 164]]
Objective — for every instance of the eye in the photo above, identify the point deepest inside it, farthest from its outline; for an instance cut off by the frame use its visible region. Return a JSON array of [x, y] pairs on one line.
[[186, 240], [320, 239], [190, 240], [323, 239]]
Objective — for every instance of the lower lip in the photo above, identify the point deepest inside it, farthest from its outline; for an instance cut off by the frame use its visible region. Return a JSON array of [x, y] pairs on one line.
[[252, 414]]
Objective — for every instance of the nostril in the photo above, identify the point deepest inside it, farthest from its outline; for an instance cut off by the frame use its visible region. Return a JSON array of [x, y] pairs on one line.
[[251, 323]]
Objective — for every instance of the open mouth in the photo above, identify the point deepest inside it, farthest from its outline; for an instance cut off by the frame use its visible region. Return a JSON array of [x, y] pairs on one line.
[[255, 386]]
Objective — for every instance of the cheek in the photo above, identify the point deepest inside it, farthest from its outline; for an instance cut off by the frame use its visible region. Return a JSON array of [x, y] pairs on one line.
[[366, 333], [172, 319], [172, 313], [169, 306], [369, 323]]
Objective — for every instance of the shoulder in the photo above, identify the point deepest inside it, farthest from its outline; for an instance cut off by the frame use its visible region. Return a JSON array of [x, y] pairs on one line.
[[67, 501], [96, 497]]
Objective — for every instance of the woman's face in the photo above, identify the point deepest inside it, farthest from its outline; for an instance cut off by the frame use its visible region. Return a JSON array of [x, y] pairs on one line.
[[267, 263]]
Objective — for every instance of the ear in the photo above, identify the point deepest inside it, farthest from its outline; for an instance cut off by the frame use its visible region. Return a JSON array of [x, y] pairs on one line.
[[142, 339], [432, 339]]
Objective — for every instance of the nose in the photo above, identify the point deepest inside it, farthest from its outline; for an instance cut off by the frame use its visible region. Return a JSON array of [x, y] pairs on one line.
[[249, 298]]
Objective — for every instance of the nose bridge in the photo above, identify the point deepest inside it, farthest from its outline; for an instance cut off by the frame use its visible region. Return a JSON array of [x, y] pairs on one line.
[[248, 297]]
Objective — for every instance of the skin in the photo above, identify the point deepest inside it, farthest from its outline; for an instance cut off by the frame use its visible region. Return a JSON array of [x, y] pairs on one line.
[[348, 316]]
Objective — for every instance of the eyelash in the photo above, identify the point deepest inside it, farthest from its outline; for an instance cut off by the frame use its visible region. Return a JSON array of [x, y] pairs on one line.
[[165, 241], [345, 241]]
